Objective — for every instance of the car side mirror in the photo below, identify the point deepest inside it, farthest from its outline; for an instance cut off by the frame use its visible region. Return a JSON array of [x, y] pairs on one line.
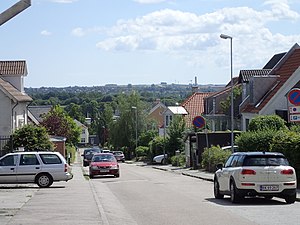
[[219, 166]]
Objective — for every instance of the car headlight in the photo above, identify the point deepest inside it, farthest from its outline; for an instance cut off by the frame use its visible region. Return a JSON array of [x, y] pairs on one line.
[[114, 167], [94, 167]]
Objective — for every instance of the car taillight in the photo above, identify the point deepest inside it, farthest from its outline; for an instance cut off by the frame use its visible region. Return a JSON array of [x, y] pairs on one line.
[[66, 167], [248, 172], [287, 172]]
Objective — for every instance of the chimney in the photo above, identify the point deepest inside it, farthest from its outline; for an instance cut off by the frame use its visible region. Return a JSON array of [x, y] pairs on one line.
[[195, 86]]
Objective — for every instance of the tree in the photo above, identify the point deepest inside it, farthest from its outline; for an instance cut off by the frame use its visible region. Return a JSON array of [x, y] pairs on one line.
[[175, 135], [58, 123], [32, 138]]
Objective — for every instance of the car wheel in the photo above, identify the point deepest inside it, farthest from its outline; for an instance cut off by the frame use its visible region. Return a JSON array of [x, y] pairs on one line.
[[163, 161], [117, 175], [91, 176], [44, 180], [217, 190], [234, 196], [290, 199]]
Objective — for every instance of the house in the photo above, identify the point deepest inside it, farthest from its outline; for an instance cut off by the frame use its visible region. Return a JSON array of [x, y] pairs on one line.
[[218, 117], [194, 105], [84, 135], [156, 113], [266, 94], [169, 115], [37, 112], [13, 99]]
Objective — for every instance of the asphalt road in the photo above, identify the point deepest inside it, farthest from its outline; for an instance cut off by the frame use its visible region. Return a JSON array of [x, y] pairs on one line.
[[142, 195]]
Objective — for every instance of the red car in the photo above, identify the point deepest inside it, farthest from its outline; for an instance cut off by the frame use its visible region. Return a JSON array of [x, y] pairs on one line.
[[104, 164]]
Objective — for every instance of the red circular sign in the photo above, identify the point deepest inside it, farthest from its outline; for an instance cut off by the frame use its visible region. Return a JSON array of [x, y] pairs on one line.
[[294, 97], [199, 121]]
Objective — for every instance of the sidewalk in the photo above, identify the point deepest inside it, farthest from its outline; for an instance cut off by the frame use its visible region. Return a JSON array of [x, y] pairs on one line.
[[64, 203], [200, 174]]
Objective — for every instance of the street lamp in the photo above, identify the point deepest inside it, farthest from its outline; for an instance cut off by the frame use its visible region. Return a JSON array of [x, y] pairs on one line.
[[224, 36], [136, 128]]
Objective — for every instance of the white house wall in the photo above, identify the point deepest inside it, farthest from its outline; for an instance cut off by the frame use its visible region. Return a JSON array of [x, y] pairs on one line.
[[279, 100], [5, 115], [20, 116]]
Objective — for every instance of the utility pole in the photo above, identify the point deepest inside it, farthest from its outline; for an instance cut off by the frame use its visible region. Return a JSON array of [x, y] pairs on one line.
[[14, 10]]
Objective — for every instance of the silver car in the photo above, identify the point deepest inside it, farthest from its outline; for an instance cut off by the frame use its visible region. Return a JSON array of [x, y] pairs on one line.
[[42, 168]]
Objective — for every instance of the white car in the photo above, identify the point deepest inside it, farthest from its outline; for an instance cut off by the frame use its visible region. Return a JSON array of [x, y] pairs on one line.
[[42, 168], [266, 174], [160, 159]]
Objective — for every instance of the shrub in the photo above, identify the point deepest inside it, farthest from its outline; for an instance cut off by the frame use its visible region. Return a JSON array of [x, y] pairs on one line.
[[178, 160], [260, 140], [267, 122], [142, 151], [212, 156]]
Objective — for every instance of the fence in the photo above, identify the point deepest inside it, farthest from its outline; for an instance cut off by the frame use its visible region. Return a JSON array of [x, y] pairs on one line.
[[4, 141]]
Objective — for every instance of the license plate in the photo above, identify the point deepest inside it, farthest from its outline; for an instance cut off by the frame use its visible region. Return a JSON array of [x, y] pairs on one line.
[[269, 187], [104, 171]]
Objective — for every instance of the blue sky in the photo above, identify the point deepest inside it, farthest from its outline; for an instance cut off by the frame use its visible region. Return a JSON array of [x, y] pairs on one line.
[[98, 42]]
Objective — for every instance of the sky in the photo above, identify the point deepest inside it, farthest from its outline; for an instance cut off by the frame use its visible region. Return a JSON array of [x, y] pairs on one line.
[[97, 42]]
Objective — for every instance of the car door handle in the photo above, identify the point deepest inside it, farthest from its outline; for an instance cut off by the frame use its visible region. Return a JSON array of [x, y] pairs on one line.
[[12, 168], [37, 168]]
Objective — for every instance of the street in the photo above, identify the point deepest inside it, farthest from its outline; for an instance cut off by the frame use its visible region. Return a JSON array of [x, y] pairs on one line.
[[142, 195]]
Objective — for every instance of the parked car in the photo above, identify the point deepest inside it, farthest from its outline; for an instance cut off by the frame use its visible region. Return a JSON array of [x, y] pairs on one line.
[[88, 154], [106, 151], [104, 164], [160, 159], [42, 168], [119, 155], [266, 174]]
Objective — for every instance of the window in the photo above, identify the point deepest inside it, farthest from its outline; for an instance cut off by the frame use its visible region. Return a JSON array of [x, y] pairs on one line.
[[82, 140], [228, 162], [50, 159], [10, 160], [83, 131], [28, 159]]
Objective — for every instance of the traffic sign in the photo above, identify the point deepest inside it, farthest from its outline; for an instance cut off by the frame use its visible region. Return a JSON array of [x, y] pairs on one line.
[[294, 109], [295, 118], [294, 97], [199, 121]]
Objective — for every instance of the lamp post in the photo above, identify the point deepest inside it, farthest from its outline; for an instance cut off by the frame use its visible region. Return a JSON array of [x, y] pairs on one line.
[[224, 36], [136, 128]]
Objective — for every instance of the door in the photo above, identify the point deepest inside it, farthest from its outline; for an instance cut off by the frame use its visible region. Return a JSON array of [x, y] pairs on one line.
[[28, 168], [8, 169]]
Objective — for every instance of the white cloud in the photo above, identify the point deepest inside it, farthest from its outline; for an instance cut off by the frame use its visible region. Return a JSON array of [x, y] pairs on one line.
[[46, 33], [80, 32], [193, 36]]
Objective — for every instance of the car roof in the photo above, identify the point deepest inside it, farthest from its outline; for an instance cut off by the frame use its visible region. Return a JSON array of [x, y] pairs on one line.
[[31, 152], [257, 153], [103, 153]]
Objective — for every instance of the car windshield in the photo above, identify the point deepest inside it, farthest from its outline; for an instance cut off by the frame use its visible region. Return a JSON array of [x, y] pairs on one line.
[[103, 158], [265, 161]]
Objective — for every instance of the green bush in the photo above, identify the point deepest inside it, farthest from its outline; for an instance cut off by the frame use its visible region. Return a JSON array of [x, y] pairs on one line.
[[267, 122], [260, 140], [288, 143], [178, 160], [142, 151], [212, 156]]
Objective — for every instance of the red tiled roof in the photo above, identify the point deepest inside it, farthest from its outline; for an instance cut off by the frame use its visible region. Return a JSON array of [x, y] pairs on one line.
[[13, 67], [285, 71], [194, 105]]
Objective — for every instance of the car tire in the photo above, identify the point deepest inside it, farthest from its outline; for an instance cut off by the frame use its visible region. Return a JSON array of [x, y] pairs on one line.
[[217, 190], [44, 180], [290, 199], [117, 175], [91, 176], [163, 161], [234, 196]]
